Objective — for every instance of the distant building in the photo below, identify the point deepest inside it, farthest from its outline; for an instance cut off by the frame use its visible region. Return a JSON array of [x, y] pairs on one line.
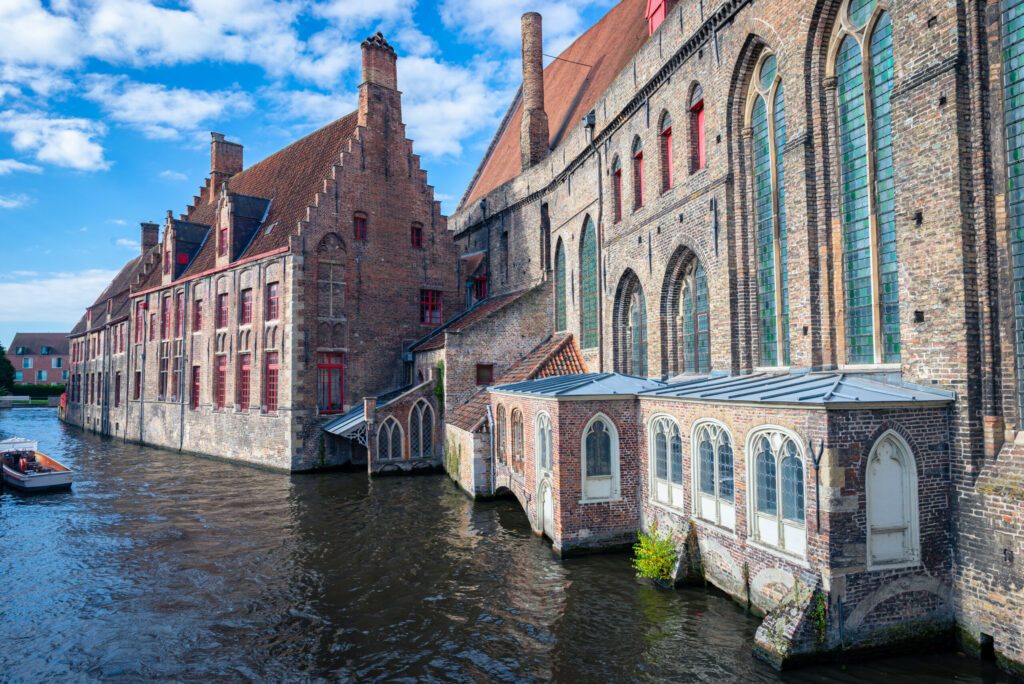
[[39, 358]]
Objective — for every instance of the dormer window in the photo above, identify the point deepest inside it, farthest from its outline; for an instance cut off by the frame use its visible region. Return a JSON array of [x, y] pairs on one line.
[[222, 241]]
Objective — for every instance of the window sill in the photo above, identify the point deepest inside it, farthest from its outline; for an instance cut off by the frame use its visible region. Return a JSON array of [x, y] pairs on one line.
[[667, 507], [871, 367], [613, 499], [904, 565], [772, 369], [714, 525], [780, 553]]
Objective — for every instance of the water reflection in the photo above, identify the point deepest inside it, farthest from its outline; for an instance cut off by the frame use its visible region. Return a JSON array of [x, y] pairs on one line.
[[165, 566]]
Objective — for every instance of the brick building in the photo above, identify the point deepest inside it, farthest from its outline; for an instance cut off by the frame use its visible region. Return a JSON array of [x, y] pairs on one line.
[[284, 294], [39, 358], [786, 237]]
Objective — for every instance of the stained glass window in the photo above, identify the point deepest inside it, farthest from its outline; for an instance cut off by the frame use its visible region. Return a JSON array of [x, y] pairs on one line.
[[677, 457], [1013, 101], [725, 477], [661, 453], [638, 334], [588, 285], [599, 450], [560, 283], [767, 495], [707, 464], [792, 486]]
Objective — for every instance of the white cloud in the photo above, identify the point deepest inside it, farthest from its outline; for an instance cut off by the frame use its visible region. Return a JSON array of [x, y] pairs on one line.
[[53, 297], [14, 201], [446, 104], [64, 142], [118, 222], [168, 174], [161, 112], [12, 165], [29, 34], [310, 106], [133, 245], [362, 12], [498, 22]]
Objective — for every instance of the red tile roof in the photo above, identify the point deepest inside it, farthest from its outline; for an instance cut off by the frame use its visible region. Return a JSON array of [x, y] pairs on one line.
[[558, 355], [435, 340], [570, 90]]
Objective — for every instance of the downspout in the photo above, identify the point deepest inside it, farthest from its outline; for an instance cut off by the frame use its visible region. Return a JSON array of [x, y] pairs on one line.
[[490, 439], [142, 373], [591, 121], [182, 366]]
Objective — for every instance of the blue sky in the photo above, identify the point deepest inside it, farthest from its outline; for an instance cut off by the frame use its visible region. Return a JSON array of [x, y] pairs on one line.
[[106, 108]]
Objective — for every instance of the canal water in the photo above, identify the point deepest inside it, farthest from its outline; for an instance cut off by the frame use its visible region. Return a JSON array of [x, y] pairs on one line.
[[163, 566]]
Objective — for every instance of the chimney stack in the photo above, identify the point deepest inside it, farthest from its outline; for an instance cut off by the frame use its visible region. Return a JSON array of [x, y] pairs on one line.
[[533, 139], [150, 236], [379, 62], [225, 161]]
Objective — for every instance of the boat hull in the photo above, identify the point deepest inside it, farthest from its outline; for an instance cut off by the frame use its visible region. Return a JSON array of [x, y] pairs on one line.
[[37, 483]]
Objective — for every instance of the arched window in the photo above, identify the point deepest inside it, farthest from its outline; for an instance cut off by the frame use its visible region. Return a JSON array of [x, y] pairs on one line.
[[638, 173], [502, 449], [421, 430], [687, 311], [638, 334], [616, 189], [600, 449], [713, 465], [778, 492], [330, 279], [561, 322], [698, 146], [1013, 76], [588, 285], [630, 322], [389, 441], [892, 515], [517, 441], [665, 145], [666, 459], [542, 444], [863, 69], [768, 124]]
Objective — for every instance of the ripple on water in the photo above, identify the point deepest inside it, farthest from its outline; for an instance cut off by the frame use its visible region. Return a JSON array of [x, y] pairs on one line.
[[163, 566]]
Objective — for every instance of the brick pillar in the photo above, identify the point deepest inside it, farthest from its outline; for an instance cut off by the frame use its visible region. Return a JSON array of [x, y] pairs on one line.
[[533, 140], [150, 236], [225, 161]]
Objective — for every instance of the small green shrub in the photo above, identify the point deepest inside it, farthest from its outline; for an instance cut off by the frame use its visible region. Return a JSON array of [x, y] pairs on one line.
[[439, 386], [819, 615], [654, 555]]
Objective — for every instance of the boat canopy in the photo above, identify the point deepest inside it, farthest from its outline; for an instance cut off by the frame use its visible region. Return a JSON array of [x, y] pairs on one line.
[[17, 444]]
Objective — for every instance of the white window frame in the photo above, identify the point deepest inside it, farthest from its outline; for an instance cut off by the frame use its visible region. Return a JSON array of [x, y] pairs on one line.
[[614, 480], [542, 444], [713, 509], [775, 532], [57, 362], [911, 528], [391, 424], [26, 363], [664, 492], [419, 411]]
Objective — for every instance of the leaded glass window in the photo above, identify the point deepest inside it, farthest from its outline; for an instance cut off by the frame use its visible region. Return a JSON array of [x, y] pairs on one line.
[[330, 275], [599, 450], [768, 126], [714, 474], [517, 440], [588, 285], [421, 430], [694, 325], [389, 441], [667, 461], [779, 490], [864, 80], [792, 485], [631, 328], [767, 496], [661, 455], [1013, 102], [560, 283]]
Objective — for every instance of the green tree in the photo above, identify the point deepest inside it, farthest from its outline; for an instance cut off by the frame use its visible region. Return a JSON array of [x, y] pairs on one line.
[[6, 372]]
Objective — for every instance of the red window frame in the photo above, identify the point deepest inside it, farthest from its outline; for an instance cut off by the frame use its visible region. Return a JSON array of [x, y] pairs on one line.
[[165, 316], [416, 235], [222, 311], [220, 382], [197, 316], [431, 303], [245, 307], [222, 241], [270, 386], [244, 372], [616, 191], [152, 327], [666, 159], [699, 142], [480, 288], [359, 226], [484, 374], [194, 403], [179, 319], [272, 302], [331, 382], [638, 179]]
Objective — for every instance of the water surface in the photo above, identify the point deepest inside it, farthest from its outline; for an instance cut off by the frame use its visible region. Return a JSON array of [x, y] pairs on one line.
[[163, 566]]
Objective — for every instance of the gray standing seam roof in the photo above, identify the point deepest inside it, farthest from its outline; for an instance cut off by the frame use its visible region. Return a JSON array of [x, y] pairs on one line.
[[354, 418], [582, 385]]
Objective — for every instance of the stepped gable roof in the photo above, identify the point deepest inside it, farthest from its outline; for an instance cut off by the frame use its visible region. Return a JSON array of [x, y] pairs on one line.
[[435, 338], [290, 178], [558, 355], [802, 388], [34, 342], [570, 91]]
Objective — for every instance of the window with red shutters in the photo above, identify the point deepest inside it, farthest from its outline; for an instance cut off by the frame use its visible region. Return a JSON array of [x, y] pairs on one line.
[[179, 316], [222, 311], [416, 235], [194, 403], [616, 190], [220, 382], [270, 386], [245, 307], [667, 171], [244, 371], [698, 148], [480, 288], [272, 302], [152, 326], [331, 385], [165, 317], [430, 307], [359, 226], [197, 316]]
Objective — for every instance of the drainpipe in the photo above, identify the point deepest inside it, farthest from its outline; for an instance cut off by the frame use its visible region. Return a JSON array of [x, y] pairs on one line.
[[490, 439], [591, 122], [182, 366], [142, 372]]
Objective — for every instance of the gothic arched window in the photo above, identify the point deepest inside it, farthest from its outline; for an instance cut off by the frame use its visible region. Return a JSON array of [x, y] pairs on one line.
[[600, 451], [694, 325], [863, 67], [779, 490], [1013, 102], [768, 125], [389, 441], [638, 173], [542, 443], [665, 147], [666, 459], [891, 494], [421, 430], [713, 465], [616, 190], [588, 286], [561, 322], [517, 441]]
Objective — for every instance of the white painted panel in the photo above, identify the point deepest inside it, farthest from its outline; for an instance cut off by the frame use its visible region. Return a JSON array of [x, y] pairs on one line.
[[599, 487], [887, 547], [707, 507], [677, 496], [661, 491], [795, 538], [728, 513], [768, 530]]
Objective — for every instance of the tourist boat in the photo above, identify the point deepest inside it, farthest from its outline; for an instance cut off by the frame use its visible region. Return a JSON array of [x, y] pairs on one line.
[[28, 470]]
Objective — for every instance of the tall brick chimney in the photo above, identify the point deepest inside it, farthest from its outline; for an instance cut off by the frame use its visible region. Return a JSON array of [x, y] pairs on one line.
[[379, 62], [150, 236], [533, 138], [225, 161]]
